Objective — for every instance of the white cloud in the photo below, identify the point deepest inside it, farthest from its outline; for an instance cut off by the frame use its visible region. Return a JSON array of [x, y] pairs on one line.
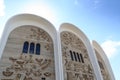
[[111, 48], [2, 7]]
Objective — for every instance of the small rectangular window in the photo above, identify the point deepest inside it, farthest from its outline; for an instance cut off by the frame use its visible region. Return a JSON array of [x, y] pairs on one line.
[[71, 55], [82, 58], [75, 56], [78, 57]]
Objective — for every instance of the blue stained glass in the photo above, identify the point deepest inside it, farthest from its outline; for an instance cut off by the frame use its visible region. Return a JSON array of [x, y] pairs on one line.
[[25, 47], [38, 49], [32, 46]]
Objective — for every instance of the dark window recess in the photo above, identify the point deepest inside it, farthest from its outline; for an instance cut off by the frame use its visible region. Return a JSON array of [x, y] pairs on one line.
[[43, 79], [78, 57], [75, 56], [71, 55], [32, 46], [38, 49], [101, 65], [82, 58], [25, 47]]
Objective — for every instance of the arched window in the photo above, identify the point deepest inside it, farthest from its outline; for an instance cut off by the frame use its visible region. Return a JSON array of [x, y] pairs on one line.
[[32, 46], [38, 49], [25, 47]]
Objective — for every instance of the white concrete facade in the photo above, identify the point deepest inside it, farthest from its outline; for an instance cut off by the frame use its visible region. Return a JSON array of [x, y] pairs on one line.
[[100, 51], [37, 21]]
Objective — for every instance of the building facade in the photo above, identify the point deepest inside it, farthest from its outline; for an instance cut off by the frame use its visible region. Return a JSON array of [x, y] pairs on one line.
[[32, 49]]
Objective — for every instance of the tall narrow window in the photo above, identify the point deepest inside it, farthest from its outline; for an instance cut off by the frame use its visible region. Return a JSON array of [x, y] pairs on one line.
[[71, 55], [38, 49], [32, 46], [25, 47], [101, 65], [75, 56], [78, 57], [82, 58]]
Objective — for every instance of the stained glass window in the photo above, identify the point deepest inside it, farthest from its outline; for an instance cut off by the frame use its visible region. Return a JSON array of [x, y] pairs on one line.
[[32, 46], [38, 49], [25, 47]]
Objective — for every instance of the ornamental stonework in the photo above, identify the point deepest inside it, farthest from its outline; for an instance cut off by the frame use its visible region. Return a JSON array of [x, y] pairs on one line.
[[27, 67], [102, 66], [76, 63], [16, 65], [39, 34]]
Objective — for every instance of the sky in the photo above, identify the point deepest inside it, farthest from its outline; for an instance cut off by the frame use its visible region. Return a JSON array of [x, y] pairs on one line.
[[98, 19]]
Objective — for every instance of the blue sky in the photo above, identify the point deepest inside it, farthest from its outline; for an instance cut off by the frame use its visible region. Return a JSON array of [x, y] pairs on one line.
[[98, 19]]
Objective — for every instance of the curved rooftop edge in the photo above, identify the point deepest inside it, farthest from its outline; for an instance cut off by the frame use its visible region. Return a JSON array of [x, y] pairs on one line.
[[29, 19], [72, 28], [33, 20], [24, 19], [104, 57]]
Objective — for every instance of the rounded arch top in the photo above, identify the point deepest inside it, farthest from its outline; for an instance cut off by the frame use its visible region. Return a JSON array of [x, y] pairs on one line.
[[68, 27], [29, 19], [20, 20], [98, 48], [37, 22], [72, 28], [103, 56]]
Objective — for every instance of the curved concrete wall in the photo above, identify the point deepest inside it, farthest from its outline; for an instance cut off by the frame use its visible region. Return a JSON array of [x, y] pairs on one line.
[[27, 19], [38, 22], [32, 20], [106, 63], [73, 29]]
